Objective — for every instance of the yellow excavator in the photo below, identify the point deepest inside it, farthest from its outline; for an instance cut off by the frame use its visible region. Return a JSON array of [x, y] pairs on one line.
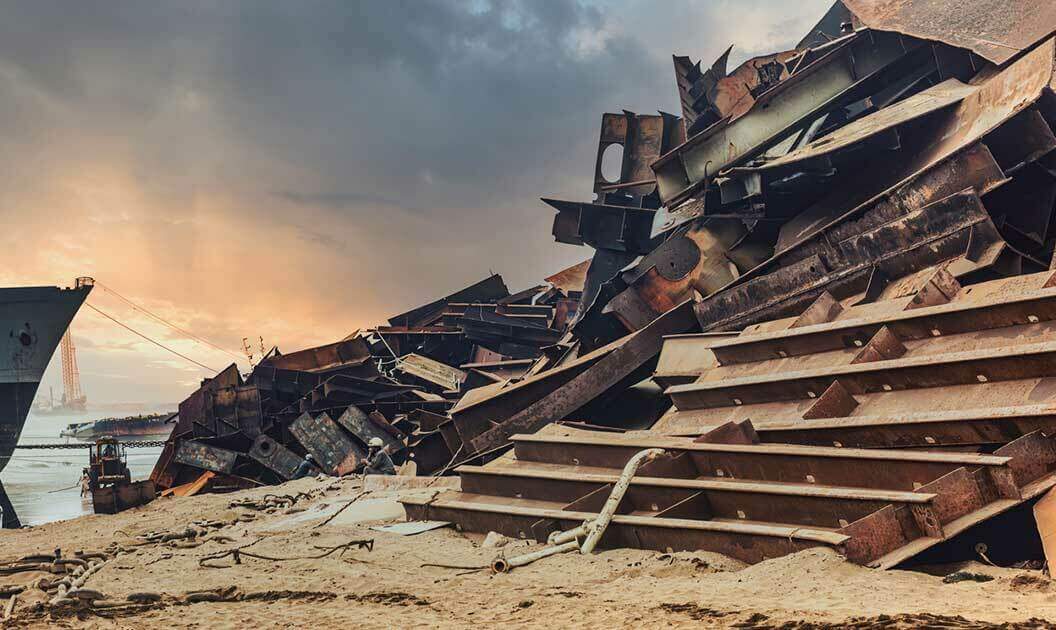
[[111, 482]]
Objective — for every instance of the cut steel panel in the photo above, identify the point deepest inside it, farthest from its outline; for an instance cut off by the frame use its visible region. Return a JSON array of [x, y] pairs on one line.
[[479, 407], [275, 456], [570, 280], [644, 138], [1045, 517], [432, 371], [363, 427], [205, 456], [683, 358], [321, 436], [617, 228], [489, 289]]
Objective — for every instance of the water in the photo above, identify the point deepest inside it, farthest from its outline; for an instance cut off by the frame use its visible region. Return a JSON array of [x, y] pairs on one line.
[[44, 485]]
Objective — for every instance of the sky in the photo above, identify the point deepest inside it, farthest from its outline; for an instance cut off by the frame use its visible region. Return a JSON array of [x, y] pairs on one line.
[[295, 171]]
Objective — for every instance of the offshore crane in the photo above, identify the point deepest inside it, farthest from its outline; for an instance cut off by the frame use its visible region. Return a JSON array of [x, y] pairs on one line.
[[73, 398]]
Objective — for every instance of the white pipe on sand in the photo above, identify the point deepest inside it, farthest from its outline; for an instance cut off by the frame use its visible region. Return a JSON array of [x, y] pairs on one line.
[[560, 542]]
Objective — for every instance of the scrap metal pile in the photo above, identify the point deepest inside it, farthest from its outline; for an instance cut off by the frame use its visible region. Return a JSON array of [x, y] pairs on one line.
[[825, 291], [237, 432]]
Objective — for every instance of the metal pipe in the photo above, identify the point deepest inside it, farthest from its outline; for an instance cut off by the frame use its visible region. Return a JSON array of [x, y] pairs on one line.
[[557, 538], [502, 565], [599, 525], [560, 542]]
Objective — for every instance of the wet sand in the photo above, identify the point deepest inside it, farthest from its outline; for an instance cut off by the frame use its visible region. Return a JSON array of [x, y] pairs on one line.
[[44, 485]]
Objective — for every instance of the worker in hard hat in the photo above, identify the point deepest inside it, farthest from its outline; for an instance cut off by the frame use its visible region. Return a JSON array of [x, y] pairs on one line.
[[305, 468], [378, 461]]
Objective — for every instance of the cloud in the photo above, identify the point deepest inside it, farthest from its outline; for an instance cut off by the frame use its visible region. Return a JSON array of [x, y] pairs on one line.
[[299, 170]]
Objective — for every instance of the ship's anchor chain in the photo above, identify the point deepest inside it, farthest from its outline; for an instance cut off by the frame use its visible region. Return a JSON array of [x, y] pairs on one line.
[[132, 444]]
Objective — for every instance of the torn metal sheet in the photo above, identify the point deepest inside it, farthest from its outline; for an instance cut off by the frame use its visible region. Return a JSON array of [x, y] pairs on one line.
[[490, 289], [323, 358], [997, 30], [711, 95], [641, 139], [411, 528], [570, 280]]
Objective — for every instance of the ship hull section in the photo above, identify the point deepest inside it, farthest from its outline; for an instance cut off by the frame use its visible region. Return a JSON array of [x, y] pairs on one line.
[[32, 322]]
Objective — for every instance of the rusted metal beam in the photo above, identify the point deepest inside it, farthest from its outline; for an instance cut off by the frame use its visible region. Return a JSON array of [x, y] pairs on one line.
[[745, 541], [862, 468], [999, 363], [1001, 303], [835, 79], [800, 504], [610, 370], [912, 240], [957, 428]]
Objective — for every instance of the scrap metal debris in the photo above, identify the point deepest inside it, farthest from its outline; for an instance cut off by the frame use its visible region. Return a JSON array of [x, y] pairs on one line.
[[825, 290]]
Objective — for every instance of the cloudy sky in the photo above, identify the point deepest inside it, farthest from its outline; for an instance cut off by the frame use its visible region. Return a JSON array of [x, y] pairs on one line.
[[298, 170]]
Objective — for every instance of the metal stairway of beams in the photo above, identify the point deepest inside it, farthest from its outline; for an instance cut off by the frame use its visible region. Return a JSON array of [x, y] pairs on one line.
[[879, 428]]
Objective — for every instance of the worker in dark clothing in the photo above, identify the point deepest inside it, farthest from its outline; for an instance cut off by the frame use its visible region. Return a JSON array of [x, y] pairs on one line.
[[378, 461], [305, 468]]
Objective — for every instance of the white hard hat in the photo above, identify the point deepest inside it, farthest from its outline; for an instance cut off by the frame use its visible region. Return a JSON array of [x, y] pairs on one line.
[[375, 441], [309, 457]]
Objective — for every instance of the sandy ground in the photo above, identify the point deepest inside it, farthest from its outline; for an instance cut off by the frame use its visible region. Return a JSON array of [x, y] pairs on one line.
[[388, 586]]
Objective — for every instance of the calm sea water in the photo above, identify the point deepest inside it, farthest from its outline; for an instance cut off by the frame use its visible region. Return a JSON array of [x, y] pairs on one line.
[[44, 485]]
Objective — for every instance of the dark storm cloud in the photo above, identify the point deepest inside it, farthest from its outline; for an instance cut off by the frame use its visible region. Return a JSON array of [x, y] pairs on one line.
[[461, 107], [359, 157]]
